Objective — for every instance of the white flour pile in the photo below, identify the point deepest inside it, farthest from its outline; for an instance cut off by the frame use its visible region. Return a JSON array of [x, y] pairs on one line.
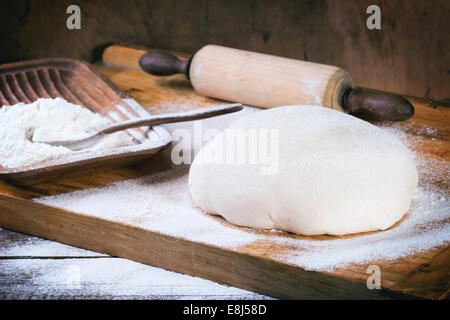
[[162, 203], [45, 120]]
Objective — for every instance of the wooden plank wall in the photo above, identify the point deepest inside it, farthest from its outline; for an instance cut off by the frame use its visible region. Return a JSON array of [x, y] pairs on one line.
[[409, 55]]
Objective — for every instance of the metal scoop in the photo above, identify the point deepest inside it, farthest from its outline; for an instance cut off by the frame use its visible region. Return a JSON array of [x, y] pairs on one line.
[[89, 141]]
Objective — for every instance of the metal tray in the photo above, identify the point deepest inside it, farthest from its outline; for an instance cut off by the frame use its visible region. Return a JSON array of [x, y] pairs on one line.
[[79, 83]]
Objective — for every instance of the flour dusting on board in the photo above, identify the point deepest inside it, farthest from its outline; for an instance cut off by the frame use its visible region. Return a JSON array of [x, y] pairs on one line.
[[161, 202], [426, 226]]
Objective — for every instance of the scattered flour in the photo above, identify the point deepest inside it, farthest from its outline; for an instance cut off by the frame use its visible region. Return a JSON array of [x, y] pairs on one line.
[[100, 276], [107, 278], [17, 245], [426, 226], [49, 119], [161, 202]]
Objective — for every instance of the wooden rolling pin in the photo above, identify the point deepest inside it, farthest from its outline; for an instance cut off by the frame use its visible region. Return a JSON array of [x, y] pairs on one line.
[[264, 80]]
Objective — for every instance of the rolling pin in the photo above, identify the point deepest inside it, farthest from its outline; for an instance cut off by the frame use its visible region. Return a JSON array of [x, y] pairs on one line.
[[269, 81]]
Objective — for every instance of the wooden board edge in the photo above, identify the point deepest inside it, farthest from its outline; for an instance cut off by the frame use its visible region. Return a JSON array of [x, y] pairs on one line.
[[224, 266]]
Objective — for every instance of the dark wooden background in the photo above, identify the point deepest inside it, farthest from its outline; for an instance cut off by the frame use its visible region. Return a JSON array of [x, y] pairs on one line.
[[409, 55]]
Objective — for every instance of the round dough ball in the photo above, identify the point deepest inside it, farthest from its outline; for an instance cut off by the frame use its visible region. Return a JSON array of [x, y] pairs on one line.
[[330, 173]]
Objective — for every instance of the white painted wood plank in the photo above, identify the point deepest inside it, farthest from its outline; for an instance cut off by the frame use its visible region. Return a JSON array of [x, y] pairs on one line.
[[104, 278], [15, 245], [35, 268]]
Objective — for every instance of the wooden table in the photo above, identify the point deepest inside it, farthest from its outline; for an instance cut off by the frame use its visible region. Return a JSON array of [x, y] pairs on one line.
[[251, 267], [35, 268]]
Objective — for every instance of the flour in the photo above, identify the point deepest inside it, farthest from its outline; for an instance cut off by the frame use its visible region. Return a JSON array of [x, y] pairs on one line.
[[426, 227], [106, 278], [161, 203], [100, 275], [158, 203], [45, 120]]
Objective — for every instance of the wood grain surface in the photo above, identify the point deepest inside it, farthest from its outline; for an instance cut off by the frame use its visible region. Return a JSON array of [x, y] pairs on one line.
[[252, 78], [409, 55], [253, 267], [35, 268]]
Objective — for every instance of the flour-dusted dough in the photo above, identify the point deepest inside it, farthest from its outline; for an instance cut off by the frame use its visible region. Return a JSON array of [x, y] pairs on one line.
[[336, 175]]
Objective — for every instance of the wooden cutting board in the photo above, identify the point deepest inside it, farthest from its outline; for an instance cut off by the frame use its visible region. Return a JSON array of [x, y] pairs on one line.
[[256, 265]]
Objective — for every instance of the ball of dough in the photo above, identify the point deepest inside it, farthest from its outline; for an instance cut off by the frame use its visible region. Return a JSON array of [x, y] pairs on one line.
[[330, 173]]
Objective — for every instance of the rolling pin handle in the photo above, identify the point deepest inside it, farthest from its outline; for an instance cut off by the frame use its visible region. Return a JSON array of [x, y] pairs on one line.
[[164, 64], [387, 107]]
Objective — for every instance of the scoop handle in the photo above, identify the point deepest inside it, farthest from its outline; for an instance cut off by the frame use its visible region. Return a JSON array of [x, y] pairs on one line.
[[174, 117], [164, 64], [385, 106]]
